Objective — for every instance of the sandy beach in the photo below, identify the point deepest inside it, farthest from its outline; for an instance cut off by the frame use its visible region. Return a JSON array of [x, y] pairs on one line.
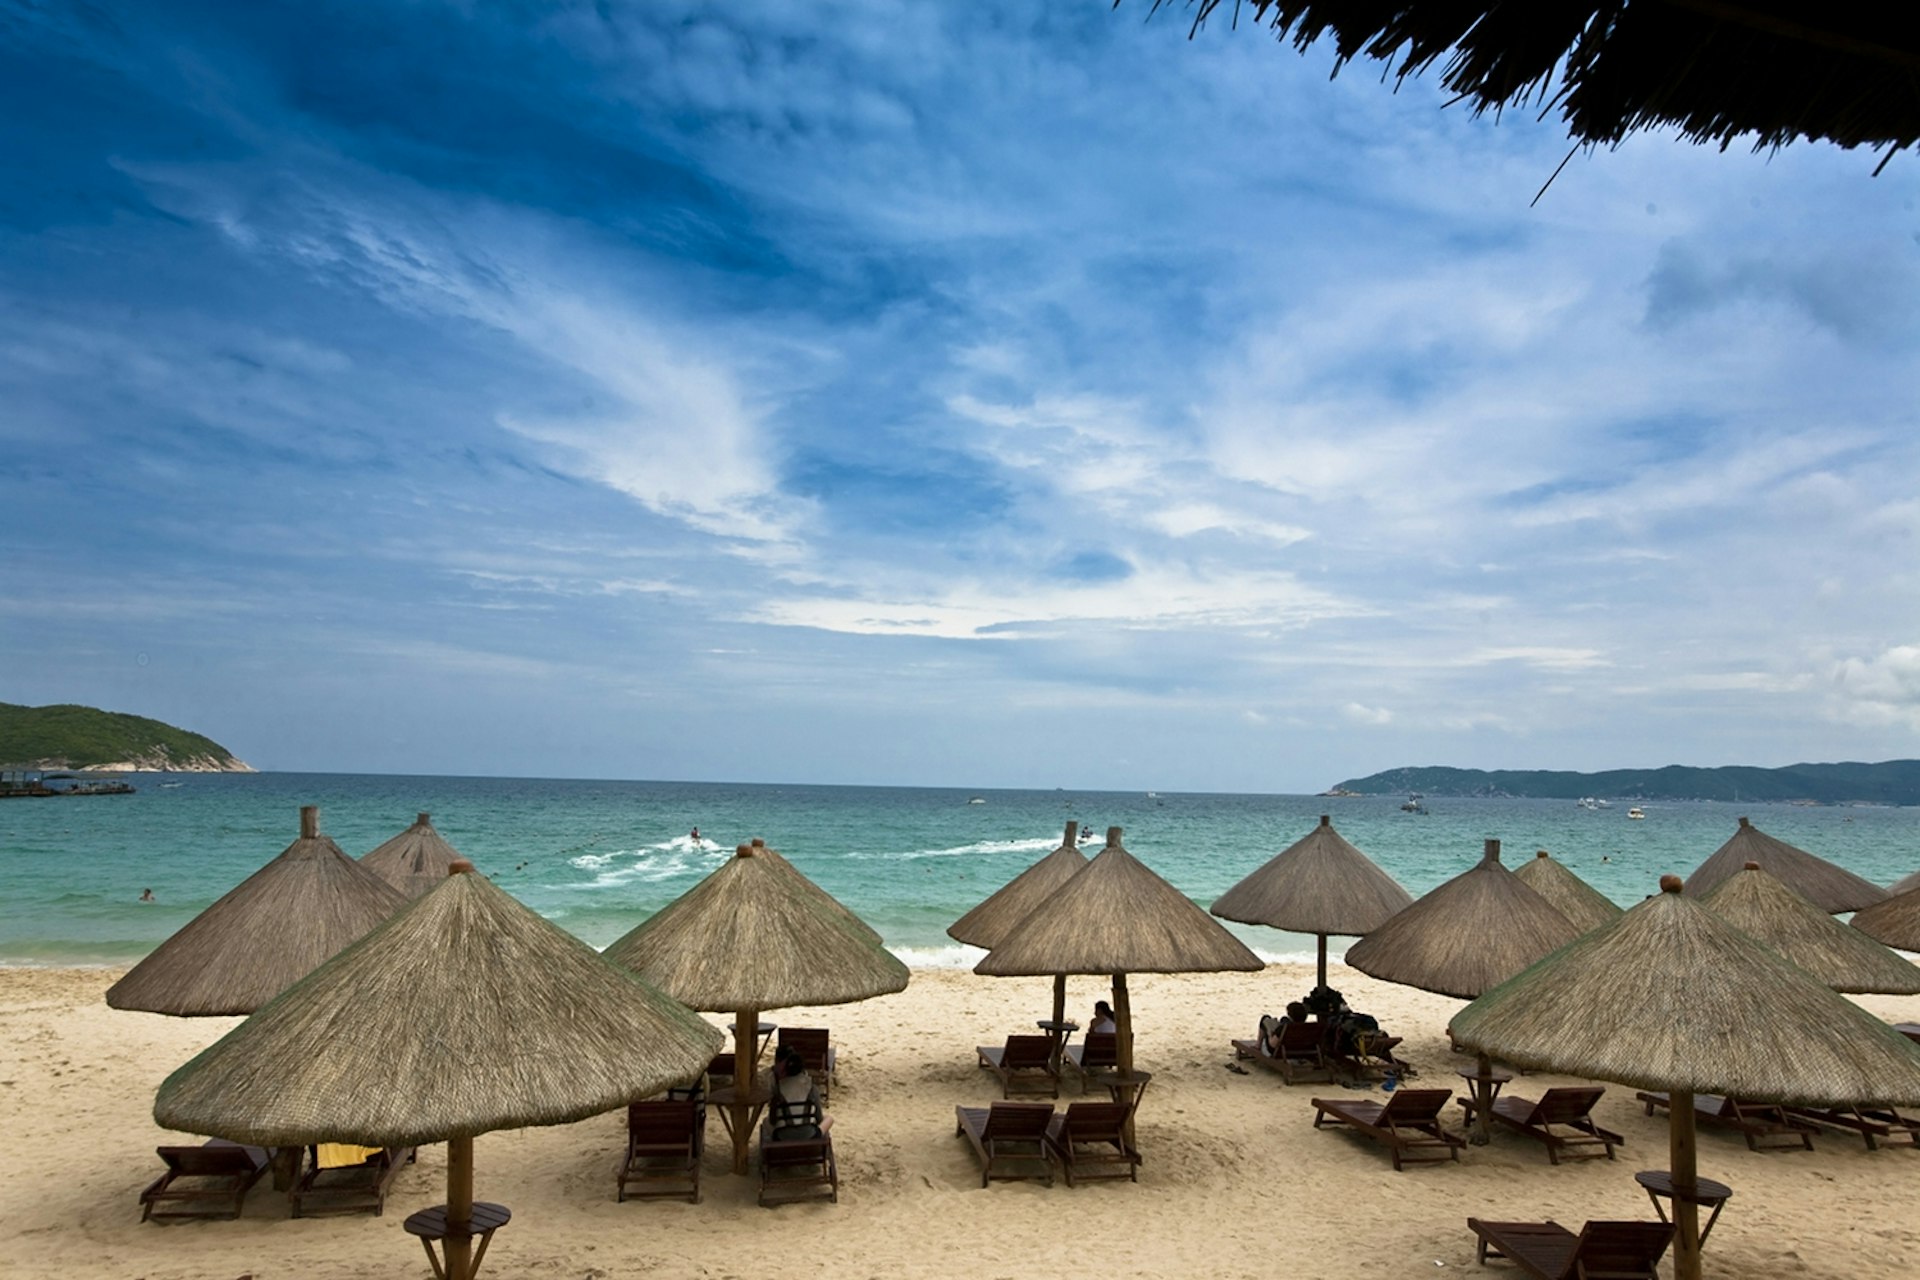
[[1236, 1181]]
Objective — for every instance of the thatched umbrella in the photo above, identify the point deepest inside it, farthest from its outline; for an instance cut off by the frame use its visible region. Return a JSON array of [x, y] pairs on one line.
[[1842, 958], [464, 1013], [1906, 884], [415, 862], [756, 935], [1575, 899], [1673, 997], [270, 930], [1117, 917], [1465, 937], [827, 902], [1831, 888], [1007, 906], [1895, 922], [1319, 884]]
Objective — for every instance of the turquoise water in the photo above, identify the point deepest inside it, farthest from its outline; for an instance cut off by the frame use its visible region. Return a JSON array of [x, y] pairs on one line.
[[598, 857]]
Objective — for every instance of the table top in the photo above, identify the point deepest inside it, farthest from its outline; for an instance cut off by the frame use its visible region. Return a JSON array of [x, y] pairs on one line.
[[1119, 1079], [759, 1028], [1705, 1190], [1473, 1073], [432, 1223], [1048, 1024]]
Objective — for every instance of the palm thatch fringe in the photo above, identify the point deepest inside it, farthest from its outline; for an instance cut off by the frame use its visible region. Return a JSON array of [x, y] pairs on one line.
[[1117, 916], [267, 932], [464, 1013], [988, 923], [755, 934], [1906, 884], [1670, 996], [1318, 884], [1842, 958], [1831, 888], [1573, 897], [1714, 71], [1895, 922], [1465, 936], [415, 862]]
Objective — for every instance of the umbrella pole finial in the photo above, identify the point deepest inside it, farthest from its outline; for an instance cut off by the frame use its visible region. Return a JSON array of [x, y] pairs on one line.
[[1113, 837], [309, 821], [1071, 839], [1493, 851]]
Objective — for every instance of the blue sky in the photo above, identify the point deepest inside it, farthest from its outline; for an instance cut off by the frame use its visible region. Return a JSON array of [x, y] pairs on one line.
[[984, 395]]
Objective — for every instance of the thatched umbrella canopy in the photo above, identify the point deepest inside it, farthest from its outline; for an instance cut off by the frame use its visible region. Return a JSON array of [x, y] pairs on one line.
[[1777, 71], [1574, 898], [1673, 997], [1007, 906], [1842, 958], [267, 932], [464, 1013], [755, 935], [415, 862], [1831, 888], [1895, 922], [1319, 884], [827, 902], [1906, 884], [1465, 937], [1117, 917]]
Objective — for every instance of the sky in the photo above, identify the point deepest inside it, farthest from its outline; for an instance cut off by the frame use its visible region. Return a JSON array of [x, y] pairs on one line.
[[976, 395]]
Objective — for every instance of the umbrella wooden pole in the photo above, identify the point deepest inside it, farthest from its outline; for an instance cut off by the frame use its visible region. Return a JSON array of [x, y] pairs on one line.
[[1483, 1103], [459, 1241], [1123, 1039], [746, 1054], [1059, 1016], [1323, 960], [1059, 997], [1686, 1209]]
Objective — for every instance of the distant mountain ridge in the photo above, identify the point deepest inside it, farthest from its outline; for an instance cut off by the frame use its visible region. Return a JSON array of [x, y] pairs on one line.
[[76, 737], [1890, 782]]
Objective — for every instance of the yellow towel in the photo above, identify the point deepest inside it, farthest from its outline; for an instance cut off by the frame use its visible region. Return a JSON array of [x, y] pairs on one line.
[[342, 1155]]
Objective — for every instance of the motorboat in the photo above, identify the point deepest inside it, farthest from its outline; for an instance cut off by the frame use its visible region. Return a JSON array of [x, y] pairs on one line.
[[1636, 812]]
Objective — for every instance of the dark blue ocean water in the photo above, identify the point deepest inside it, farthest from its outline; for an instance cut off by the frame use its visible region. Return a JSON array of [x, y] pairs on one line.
[[598, 857]]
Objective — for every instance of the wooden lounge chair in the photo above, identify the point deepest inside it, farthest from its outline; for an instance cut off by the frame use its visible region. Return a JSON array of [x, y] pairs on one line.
[[1010, 1138], [1602, 1251], [796, 1155], [1090, 1141], [1024, 1064], [664, 1143], [1301, 1058], [1568, 1108], [822, 1060], [209, 1181], [1871, 1120], [1099, 1051], [1369, 1056], [1765, 1125], [1408, 1123], [346, 1188]]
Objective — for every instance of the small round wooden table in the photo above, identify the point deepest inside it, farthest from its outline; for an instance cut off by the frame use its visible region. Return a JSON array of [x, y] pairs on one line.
[[1058, 1033], [431, 1225], [1659, 1186]]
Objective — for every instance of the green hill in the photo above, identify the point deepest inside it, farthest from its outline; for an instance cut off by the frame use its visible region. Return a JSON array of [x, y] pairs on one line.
[[72, 737], [1890, 782]]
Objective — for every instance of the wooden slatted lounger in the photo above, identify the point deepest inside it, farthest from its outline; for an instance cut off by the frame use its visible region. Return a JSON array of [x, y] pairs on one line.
[[354, 1188], [664, 1142], [1754, 1120], [1090, 1139], [1569, 1107], [1872, 1121], [209, 1181], [1024, 1064], [814, 1047], [1548, 1251], [1300, 1058], [1408, 1123], [1010, 1138]]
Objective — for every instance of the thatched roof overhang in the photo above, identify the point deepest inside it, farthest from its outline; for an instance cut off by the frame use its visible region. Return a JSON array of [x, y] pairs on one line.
[[264, 934], [1582, 904], [1465, 936], [466, 1012], [1831, 888], [1842, 958], [1772, 70], [756, 934], [415, 862], [1895, 922], [988, 923], [1318, 884]]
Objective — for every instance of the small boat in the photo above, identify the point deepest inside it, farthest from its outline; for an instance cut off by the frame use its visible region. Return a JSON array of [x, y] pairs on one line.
[[976, 800], [1414, 803], [1587, 802], [1636, 812]]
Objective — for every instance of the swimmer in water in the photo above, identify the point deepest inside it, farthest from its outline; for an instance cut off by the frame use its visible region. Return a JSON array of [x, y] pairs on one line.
[[146, 895]]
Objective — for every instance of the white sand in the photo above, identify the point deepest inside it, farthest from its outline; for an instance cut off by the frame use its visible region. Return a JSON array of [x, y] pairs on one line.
[[1236, 1182]]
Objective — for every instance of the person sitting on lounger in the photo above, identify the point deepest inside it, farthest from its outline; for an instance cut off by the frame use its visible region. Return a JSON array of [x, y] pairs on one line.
[[1272, 1028], [797, 1112], [1102, 1018]]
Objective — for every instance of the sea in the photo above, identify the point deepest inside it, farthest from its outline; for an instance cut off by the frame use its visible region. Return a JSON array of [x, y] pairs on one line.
[[598, 857]]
